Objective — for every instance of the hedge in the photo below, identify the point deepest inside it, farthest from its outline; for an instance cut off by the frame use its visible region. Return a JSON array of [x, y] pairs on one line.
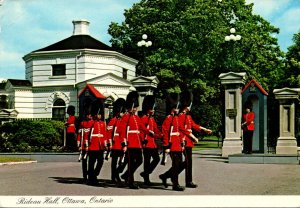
[[31, 136]]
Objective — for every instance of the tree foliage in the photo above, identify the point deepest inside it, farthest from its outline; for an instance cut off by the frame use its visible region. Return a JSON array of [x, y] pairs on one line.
[[189, 50], [293, 63], [292, 74]]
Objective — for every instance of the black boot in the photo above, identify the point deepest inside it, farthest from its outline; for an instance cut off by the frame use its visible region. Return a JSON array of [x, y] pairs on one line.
[[191, 185], [164, 180], [133, 186], [146, 179], [178, 188]]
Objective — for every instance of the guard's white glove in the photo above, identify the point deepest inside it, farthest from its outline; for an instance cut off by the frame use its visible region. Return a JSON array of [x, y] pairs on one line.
[[194, 138]]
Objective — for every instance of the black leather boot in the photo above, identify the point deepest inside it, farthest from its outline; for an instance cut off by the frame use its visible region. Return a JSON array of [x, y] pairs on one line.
[[178, 188], [164, 180]]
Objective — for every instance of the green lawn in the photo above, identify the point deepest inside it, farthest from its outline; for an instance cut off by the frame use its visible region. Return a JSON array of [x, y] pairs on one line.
[[12, 159], [208, 142]]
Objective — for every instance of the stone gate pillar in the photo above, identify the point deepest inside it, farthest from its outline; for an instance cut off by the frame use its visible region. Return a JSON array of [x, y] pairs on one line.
[[233, 83], [286, 143]]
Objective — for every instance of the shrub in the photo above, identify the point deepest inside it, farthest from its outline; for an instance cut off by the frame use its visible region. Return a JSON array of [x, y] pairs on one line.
[[31, 136]]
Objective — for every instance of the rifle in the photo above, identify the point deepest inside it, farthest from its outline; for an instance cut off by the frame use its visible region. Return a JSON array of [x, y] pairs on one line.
[[108, 152], [107, 156], [81, 141], [65, 133], [122, 159], [165, 155]]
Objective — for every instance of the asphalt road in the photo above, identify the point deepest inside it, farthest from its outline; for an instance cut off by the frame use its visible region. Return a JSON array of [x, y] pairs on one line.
[[212, 173]]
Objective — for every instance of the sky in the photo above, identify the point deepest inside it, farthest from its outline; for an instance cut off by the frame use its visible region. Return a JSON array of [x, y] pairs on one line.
[[28, 25]]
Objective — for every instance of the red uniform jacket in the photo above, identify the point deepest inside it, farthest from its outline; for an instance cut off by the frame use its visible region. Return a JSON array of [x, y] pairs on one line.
[[84, 132], [71, 124], [171, 129], [150, 124], [98, 140], [112, 133], [249, 119], [130, 129], [189, 125]]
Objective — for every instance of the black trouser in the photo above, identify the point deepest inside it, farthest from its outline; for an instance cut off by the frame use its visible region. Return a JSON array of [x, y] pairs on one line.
[[174, 171], [84, 164], [247, 137], [135, 159], [187, 164], [149, 165], [116, 166], [95, 156], [71, 143]]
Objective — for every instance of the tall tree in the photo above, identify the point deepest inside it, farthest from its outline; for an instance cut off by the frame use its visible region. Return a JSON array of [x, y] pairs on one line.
[[189, 47], [292, 74], [293, 63]]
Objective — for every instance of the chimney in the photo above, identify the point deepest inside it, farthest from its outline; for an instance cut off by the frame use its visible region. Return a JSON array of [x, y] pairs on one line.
[[81, 27]]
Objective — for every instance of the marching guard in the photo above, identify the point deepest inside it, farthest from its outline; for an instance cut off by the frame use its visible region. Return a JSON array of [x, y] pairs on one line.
[[97, 143], [119, 160], [172, 142], [150, 149], [129, 131], [185, 119], [82, 142]]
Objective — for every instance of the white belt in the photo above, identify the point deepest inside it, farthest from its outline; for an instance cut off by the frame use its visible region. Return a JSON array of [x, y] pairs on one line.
[[116, 134], [109, 127], [97, 135], [86, 130], [174, 134], [134, 131]]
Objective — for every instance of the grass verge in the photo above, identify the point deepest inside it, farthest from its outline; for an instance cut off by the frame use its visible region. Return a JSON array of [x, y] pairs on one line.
[[208, 142], [13, 159]]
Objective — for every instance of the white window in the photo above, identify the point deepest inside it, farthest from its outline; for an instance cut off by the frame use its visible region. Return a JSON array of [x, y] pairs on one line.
[[59, 109]]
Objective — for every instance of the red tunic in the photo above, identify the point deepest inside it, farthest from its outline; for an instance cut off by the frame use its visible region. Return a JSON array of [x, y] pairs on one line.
[[249, 119], [130, 129], [98, 140], [113, 135], [71, 124], [150, 124], [189, 125], [84, 132], [171, 129]]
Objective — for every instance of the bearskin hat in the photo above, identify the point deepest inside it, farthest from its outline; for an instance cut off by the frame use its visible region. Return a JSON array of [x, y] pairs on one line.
[[96, 107], [186, 98], [148, 103], [132, 100], [172, 101], [119, 106], [248, 104], [71, 110]]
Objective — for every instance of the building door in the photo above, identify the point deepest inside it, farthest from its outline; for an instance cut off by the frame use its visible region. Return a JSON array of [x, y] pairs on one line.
[[253, 99]]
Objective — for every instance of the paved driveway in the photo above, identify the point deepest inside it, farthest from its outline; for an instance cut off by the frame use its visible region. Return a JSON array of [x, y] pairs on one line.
[[213, 174]]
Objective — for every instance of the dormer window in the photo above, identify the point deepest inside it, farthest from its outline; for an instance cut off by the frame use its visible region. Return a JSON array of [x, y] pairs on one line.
[[125, 73], [59, 70]]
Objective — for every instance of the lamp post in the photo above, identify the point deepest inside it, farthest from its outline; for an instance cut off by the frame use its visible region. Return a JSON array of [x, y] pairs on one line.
[[144, 43], [234, 38]]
